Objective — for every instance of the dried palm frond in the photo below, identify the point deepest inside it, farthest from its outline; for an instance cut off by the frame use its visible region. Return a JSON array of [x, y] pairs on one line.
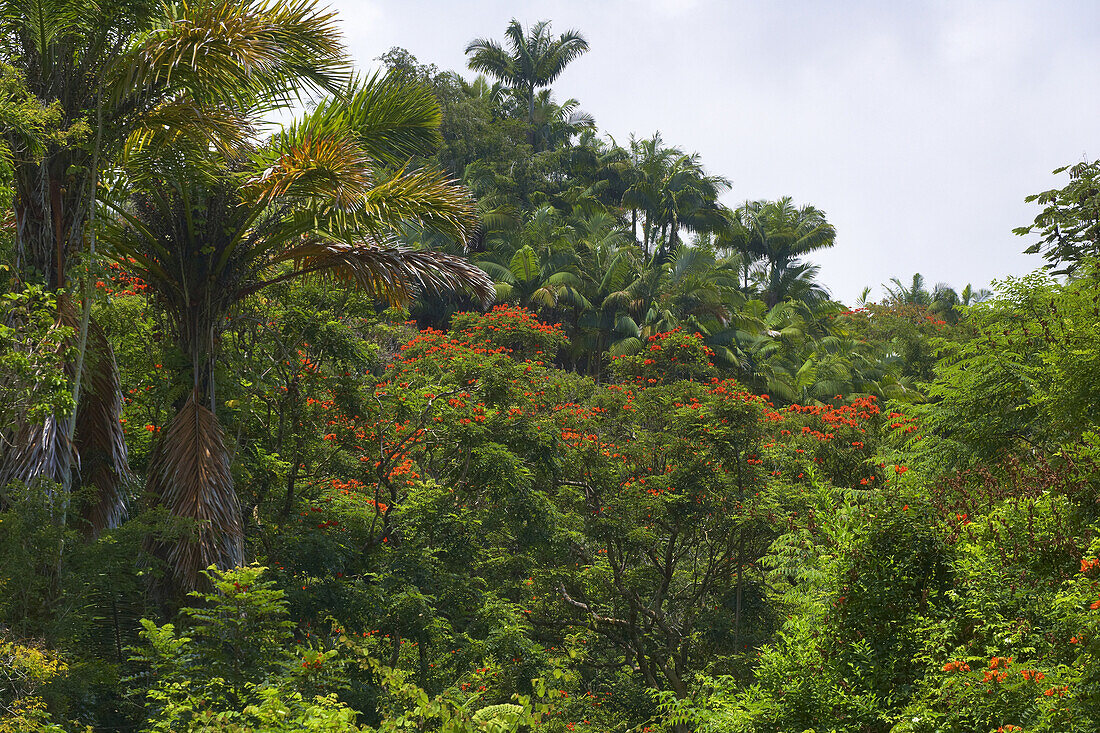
[[36, 453], [99, 439], [189, 474]]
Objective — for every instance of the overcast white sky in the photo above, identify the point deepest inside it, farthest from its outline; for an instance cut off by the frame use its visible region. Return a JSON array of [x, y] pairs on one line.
[[918, 127]]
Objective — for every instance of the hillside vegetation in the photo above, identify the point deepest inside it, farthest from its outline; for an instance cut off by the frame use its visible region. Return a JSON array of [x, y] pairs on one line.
[[438, 410]]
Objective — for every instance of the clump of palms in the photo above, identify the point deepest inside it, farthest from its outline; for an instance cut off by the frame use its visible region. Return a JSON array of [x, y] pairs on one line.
[[777, 235], [668, 190], [117, 78], [323, 198], [942, 300]]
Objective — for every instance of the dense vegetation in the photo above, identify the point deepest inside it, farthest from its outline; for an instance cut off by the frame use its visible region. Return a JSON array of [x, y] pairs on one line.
[[437, 410]]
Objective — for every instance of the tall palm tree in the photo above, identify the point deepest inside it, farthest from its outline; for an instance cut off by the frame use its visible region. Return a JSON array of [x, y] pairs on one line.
[[120, 72], [533, 59], [649, 163], [779, 234], [205, 232], [129, 75], [689, 200]]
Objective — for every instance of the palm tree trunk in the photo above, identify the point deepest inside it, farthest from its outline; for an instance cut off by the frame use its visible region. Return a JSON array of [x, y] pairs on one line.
[[531, 115]]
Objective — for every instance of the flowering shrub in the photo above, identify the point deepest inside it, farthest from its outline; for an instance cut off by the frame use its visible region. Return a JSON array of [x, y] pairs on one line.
[[512, 328], [666, 357]]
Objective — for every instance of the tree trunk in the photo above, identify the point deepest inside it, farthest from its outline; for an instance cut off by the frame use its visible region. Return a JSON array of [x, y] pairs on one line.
[[531, 116]]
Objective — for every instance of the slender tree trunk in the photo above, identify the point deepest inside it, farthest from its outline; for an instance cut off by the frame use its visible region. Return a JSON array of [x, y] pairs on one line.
[[737, 599], [292, 475], [531, 116], [86, 301]]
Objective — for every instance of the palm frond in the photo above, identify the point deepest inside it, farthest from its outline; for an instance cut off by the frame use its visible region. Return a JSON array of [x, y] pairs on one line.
[[524, 265], [36, 453], [392, 118], [183, 122], [389, 272], [329, 166], [189, 473], [99, 440], [237, 52], [489, 57]]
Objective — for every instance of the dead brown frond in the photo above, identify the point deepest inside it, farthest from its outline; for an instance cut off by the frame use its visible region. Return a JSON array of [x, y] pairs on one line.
[[189, 474], [99, 439]]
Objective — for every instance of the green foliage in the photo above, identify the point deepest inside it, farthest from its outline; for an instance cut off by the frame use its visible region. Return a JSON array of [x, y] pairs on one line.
[[34, 349], [666, 484], [1069, 225], [1027, 378], [231, 665], [24, 670]]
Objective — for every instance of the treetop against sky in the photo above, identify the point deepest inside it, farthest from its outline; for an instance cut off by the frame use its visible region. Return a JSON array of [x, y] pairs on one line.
[[918, 128]]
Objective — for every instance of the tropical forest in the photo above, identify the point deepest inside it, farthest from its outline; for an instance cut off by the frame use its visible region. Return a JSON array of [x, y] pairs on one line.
[[366, 395]]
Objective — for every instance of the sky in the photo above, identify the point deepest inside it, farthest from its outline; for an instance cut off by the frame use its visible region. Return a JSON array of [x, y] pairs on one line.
[[918, 127]]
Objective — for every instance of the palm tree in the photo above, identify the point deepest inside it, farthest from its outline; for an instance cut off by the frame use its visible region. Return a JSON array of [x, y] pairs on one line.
[[943, 300], [124, 75], [480, 88], [670, 191], [688, 199], [121, 72], [556, 125], [780, 234], [606, 264], [541, 285], [689, 289], [649, 163], [532, 60], [913, 294], [207, 231], [969, 295], [541, 268]]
